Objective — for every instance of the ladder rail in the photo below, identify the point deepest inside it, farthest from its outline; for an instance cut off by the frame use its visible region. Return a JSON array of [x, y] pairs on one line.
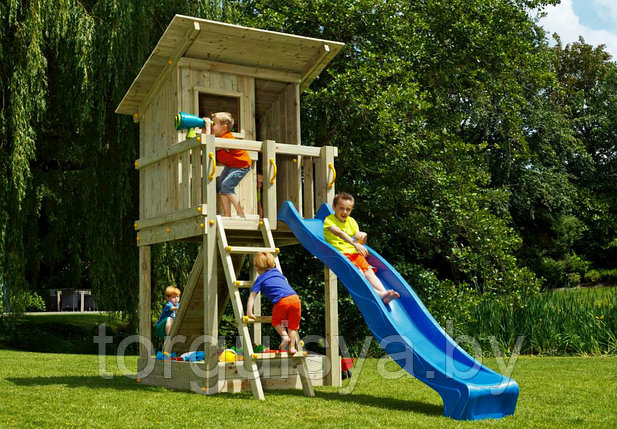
[[242, 321]]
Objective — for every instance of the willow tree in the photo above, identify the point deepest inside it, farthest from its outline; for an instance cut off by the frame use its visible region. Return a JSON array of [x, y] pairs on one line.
[[68, 189]]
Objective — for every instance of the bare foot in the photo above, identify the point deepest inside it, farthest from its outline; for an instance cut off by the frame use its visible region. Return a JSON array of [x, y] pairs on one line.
[[390, 295], [293, 351]]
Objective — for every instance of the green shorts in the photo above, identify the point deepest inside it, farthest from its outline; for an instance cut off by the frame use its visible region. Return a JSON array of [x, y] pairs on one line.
[[159, 329]]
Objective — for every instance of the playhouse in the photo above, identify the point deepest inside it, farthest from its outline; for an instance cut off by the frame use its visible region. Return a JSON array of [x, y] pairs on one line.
[[200, 67]]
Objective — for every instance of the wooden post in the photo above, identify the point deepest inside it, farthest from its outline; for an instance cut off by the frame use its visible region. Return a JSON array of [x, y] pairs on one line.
[[333, 378], [145, 317], [269, 187], [324, 177], [324, 193], [210, 260], [308, 192], [257, 332], [293, 131]]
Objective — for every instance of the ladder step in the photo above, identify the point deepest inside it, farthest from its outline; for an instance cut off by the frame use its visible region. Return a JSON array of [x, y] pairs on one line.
[[244, 283], [246, 249], [278, 355], [257, 319]]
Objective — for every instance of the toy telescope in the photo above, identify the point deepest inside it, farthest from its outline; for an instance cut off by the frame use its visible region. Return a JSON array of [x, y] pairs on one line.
[[184, 121]]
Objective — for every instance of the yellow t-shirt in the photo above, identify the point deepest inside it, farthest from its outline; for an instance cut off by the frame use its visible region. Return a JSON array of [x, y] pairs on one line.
[[350, 227]]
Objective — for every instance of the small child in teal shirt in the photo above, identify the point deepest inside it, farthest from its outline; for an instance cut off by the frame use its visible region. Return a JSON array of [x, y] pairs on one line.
[[163, 326]]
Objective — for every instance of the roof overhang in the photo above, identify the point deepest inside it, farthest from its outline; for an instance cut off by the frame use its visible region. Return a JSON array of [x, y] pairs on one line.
[[285, 54]]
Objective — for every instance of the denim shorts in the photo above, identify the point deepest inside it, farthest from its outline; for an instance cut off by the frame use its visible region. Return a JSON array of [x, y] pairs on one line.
[[229, 179]]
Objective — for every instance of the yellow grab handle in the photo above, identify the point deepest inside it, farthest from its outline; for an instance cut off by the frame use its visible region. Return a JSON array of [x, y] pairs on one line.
[[273, 178], [331, 167], [213, 172]]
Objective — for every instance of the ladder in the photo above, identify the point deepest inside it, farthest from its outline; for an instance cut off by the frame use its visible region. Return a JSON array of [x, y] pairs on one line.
[[297, 360]]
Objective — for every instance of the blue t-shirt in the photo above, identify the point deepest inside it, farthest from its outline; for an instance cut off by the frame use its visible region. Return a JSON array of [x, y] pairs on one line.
[[167, 311], [273, 285]]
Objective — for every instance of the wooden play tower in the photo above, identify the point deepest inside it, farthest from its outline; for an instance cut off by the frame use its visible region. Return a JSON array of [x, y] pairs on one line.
[[200, 67]]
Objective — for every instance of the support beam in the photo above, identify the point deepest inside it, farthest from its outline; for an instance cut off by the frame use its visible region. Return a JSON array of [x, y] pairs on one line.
[[210, 268], [325, 176], [269, 186], [145, 318], [333, 377]]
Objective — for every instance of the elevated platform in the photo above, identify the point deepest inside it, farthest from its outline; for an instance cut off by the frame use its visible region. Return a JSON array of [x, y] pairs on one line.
[[190, 225]]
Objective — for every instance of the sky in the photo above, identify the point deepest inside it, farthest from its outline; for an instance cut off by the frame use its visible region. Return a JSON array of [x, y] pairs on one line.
[[595, 20]]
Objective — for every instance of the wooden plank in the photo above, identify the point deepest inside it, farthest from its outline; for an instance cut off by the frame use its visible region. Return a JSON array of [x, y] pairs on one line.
[[309, 182], [247, 346], [279, 355], [324, 193], [249, 145], [171, 65], [210, 276], [194, 276], [167, 152], [269, 186], [145, 311], [182, 105], [171, 217], [249, 250], [293, 167], [333, 378], [257, 330], [315, 65], [244, 283], [305, 377], [179, 230], [256, 319], [254, 72], [247, 87]]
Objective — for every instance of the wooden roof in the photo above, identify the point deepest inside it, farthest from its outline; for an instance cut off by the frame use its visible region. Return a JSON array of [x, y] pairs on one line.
[[293, 58]]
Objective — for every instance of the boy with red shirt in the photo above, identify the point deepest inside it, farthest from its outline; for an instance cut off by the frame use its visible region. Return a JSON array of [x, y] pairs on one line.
[[236, 161]]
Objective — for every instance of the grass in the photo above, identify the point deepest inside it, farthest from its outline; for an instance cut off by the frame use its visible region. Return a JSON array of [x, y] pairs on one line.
[[59, 390], [572, 321], [61, 333]]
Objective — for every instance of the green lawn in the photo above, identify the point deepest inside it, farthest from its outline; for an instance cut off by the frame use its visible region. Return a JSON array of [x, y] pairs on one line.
[[62, 332], [60, 390]]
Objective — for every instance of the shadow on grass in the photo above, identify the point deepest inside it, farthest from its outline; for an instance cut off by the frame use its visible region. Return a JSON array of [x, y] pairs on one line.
[[123, 383], [387, 403], [94, 382]]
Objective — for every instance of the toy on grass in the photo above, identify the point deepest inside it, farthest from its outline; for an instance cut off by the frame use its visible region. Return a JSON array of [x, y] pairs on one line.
[[193, 356], [228, 355], [346, 365], [166, 356]]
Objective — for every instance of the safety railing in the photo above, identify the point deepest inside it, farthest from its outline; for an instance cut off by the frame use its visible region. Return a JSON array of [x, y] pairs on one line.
[[175, 182]]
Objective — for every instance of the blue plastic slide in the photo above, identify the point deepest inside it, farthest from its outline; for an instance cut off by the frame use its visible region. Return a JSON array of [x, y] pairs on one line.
[[408, 332]]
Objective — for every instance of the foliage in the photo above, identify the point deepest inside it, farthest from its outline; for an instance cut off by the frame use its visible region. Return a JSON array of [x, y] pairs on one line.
[[482, 160], [571, 321], [68, 189]]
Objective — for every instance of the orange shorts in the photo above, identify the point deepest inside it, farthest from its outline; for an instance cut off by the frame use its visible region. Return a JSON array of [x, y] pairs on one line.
[[359, 261], [286, 312]]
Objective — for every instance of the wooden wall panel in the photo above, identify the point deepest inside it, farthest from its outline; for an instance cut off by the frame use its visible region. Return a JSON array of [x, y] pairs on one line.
[[159, 181], [220, 83], [282, 124]]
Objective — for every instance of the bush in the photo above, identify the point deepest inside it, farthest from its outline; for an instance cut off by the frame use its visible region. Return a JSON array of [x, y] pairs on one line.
[[592, 276], [601, 276]]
